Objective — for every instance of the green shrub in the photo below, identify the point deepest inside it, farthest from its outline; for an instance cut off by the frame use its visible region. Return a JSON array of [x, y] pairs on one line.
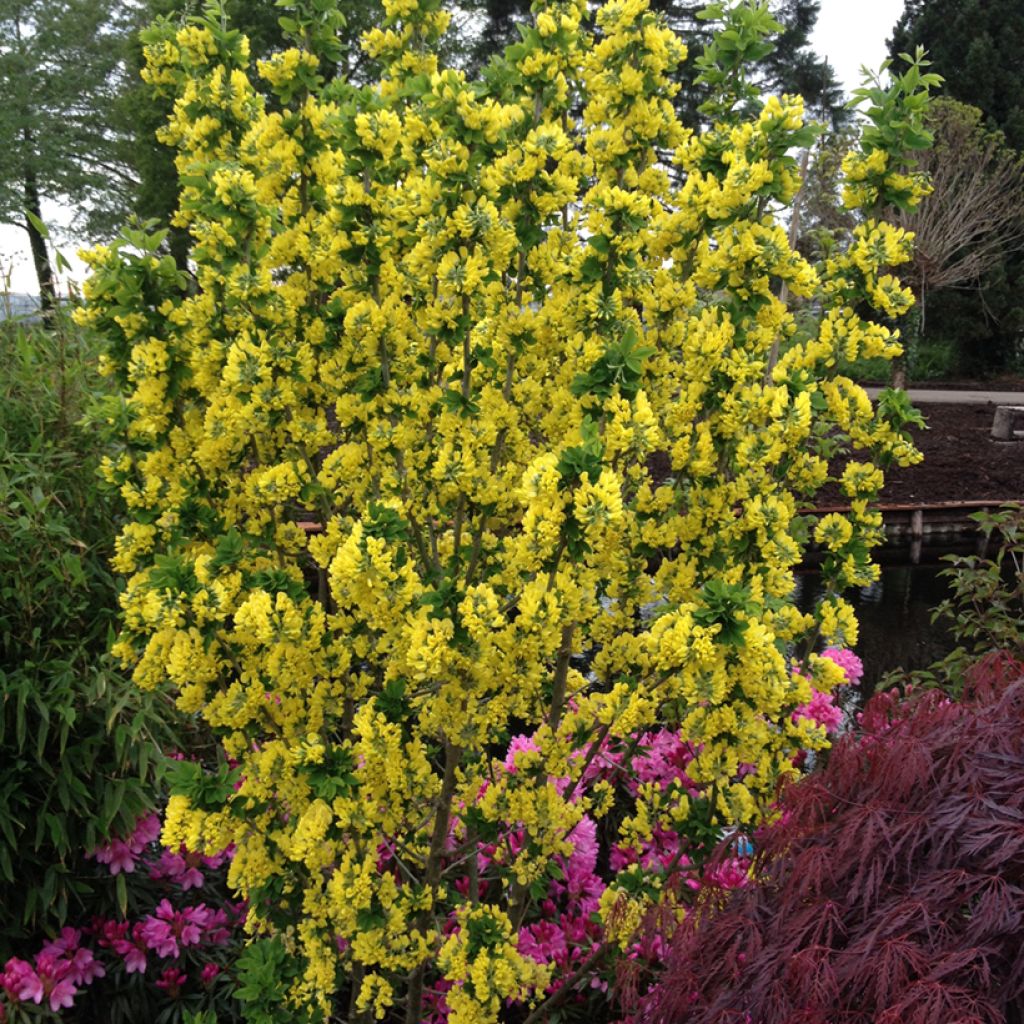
[[78, 745]]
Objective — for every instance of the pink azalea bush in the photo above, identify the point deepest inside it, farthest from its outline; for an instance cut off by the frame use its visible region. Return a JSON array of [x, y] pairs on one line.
[[565, 932], [179, 943]]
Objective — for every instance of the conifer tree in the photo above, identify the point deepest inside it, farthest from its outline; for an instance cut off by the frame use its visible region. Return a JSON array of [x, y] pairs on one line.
[[59, 64]]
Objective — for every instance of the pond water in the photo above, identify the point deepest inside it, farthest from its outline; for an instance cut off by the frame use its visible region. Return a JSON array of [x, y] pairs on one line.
[[894, 613]]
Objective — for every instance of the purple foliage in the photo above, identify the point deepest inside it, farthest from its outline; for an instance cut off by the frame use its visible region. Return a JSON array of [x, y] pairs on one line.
[[891, 889]]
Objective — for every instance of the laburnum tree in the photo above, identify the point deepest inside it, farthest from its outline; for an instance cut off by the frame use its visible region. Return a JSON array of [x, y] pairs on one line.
[[890, 889], [395, 527]]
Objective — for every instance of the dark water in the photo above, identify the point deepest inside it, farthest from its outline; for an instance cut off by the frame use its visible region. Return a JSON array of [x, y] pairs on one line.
[[896, 630]]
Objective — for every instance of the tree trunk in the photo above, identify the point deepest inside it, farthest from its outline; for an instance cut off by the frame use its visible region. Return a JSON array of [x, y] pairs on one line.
[[40, 254], [179, 243], [912, 330]]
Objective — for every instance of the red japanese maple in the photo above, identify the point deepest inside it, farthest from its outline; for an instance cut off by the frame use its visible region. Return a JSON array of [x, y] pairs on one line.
[[892, 888]]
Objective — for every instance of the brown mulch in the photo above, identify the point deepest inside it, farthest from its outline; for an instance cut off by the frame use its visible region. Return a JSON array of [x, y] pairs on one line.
[[961, 462]]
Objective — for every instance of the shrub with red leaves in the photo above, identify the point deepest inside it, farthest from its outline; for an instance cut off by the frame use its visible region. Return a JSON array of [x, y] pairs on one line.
[[892, 887]]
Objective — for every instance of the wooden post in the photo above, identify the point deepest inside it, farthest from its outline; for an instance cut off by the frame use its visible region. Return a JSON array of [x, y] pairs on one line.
[[1002, 423]]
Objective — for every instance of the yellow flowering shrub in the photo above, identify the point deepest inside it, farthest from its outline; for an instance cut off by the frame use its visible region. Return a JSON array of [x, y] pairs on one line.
[[483, 412]]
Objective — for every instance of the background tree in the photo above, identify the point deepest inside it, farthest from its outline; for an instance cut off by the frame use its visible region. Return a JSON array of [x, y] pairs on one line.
[[970, 42], [822, 214], [974, 44], [59, 65], [974, 218]]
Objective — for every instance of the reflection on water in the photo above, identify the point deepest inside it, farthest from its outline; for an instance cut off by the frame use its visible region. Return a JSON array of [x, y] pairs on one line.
[[896, 630]]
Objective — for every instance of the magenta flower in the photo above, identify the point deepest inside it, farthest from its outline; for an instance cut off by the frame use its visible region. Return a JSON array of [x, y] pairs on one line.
[[543, 942], [821, 710], [117, 855], [146, 831], [126, 941], [208, 973], [21, 982], [518, 745], [181, 870], [731, 873], [67, 942], [120, 854], [169, 929], [217, 930], [159, 936], [171, 981], [84, 967], [58, 987], [847, 661]]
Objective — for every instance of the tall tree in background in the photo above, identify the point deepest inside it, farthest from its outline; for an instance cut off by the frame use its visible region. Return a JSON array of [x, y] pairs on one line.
[[976, 46], [974, 217], [59, 68]]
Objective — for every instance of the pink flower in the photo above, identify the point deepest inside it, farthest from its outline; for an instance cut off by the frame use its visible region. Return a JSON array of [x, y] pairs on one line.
[[115, 935], [518, 745], [58, 987], [169, 929], [171, 981], [822, 710], [731, 873], [84, 967], [543, 942], [53, 978], [135, 961], [208, 973], [146, 831], [847, 661], [179, 869], [62, 995], [663, 760], [159, 936], [66, 942], [217, 930], [21, 982], [120, 854], [117, 855]]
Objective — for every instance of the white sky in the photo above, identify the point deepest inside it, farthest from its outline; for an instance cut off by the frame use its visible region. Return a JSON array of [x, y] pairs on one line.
[[850, 33]]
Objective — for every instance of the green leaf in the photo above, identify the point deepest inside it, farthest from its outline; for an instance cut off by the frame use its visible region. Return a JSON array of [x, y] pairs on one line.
[[40, 228], [121, 889]]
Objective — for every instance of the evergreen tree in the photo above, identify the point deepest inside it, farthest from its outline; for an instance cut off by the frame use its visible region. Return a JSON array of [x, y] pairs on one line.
[[976, 46], [59, 71]]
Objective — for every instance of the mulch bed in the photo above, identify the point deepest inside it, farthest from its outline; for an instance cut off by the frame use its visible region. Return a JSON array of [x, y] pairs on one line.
[[961, 462]]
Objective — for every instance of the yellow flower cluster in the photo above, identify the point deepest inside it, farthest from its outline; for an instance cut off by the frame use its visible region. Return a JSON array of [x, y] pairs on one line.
[[471, 390]]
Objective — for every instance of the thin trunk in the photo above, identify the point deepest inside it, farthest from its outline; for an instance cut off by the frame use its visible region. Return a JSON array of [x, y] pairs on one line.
[[40, 254], [432, 874], [912, 330], [179, 243], [794, 234]]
